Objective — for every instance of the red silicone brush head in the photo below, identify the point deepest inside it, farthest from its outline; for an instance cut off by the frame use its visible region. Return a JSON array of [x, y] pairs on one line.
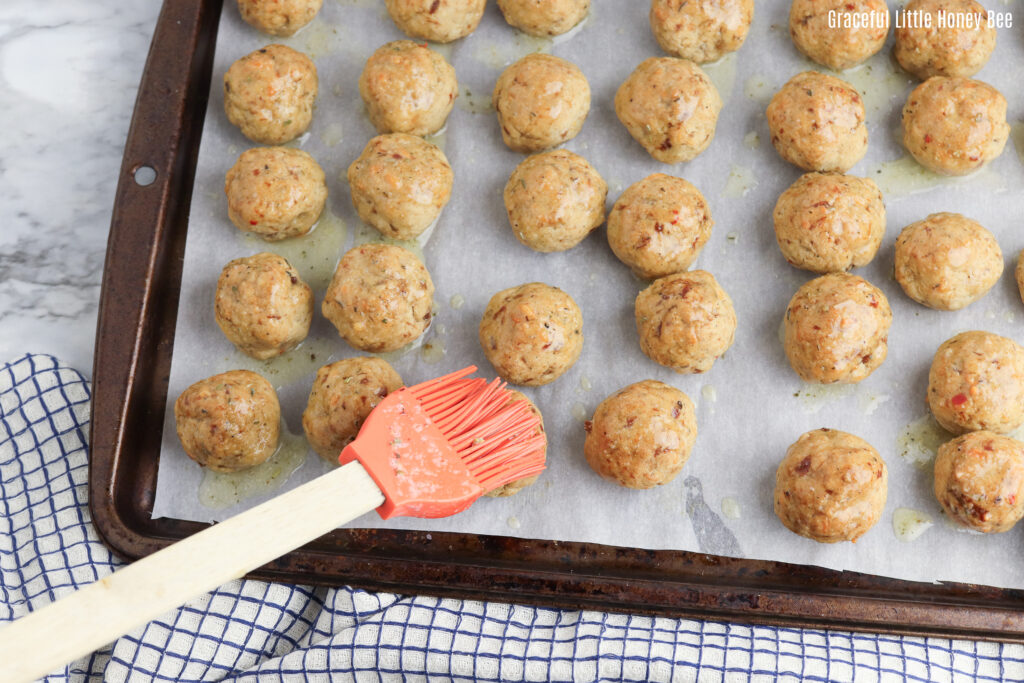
[[435, 447]]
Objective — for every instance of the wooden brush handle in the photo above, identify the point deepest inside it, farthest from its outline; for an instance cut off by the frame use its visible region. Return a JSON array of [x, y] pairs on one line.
[[88, 619]]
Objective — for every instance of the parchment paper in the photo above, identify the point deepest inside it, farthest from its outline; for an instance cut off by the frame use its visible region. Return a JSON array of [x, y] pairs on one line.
[[751, 406]]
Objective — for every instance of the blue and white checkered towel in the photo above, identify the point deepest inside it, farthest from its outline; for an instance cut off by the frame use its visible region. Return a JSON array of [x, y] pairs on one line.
[[249, 630]]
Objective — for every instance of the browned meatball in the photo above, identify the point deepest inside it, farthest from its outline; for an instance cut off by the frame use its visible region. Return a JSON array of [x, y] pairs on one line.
[[979, 481], [343, 394], [831, 486], [829, 222], [229, 422], [641, 436], [441, 21], [380, 297], [544, 17], [817, 123], [837, 329], [408, 88], [685, 321], [659, 225], [554, 200], [400, 184], [541, 102], [669, 106], [532, 333], [947, 261], [514, 487], [262, 305], [269, 94], [977, 382], [954, 126], [949, 46], [279, 17], [838, 34], [275, 192], [1019, 274], [701, 30]]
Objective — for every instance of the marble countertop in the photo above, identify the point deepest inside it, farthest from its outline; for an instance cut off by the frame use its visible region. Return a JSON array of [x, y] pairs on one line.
[[69, 71]]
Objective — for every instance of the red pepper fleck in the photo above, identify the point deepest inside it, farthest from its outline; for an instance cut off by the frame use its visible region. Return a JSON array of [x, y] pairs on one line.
[[959, 400], [253, 222], [927, 138], [805, 466]]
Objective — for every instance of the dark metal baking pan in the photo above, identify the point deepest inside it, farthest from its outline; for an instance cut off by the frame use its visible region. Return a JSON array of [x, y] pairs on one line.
[[134, 343]]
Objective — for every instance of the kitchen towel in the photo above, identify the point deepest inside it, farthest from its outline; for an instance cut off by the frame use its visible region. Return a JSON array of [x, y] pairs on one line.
[[256, 631]]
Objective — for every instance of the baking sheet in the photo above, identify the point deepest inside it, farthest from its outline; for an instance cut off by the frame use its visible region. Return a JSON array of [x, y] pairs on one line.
[[750, 406]]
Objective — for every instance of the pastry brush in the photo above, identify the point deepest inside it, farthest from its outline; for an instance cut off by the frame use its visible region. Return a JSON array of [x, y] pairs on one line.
[[428, 450]]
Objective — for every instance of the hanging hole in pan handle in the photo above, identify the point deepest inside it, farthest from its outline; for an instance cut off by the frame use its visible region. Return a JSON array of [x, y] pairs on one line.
[[144, 175]]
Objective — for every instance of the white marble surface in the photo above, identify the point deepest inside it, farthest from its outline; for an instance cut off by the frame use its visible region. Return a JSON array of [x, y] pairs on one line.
[[69, 70]]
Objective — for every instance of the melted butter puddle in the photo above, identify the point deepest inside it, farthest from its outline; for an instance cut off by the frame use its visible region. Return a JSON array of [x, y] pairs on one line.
[[297, 364], [314, 254], [919, 441], [438, 139], [500, 55], [332, 134], [816, 396], [474, 103], [905, 176], [740, 182], [220, 490], [731, 508], [579, 412], [879, 82], [759, 88], [908, 525], [366, 234], [1017, 135], [723, 74]]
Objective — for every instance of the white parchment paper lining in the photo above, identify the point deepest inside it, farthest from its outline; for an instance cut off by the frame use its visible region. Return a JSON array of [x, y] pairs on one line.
[[751, 405]]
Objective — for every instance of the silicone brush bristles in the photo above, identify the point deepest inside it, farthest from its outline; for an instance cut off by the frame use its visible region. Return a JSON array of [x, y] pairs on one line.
[[498, 440], [436, 447]]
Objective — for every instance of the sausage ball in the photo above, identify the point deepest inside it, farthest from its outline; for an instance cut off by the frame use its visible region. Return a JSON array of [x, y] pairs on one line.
[[343, 394], [542, 101], [229, 422], [979, 481], [954, 48], [977, 382], [275, 192], [554, 200], [532, 333], [837, 329], [817, 123], [380, 297], [685, 321], [641, 436], [262, 305], [278, 17], [514, 487], [408, 88], [659, 225], [830, 487], [701, 31], [269, 94], [669, 106], [947, 261], [400, 184], [1019, 274], [544, 17], [440, 21], [954, 126], [829, 222], [819, 30]]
